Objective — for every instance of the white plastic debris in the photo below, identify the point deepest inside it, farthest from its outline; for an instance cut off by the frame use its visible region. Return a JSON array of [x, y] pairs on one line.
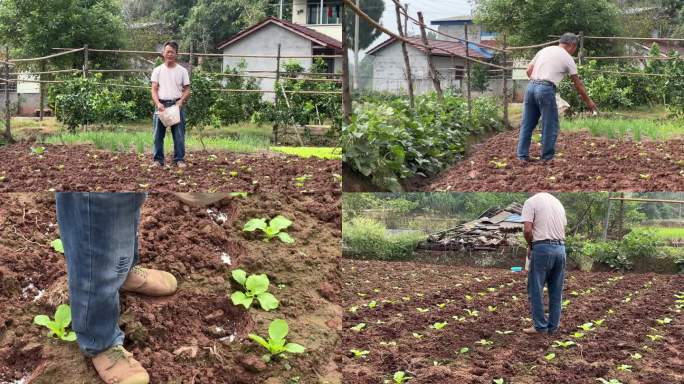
[[225, 258]]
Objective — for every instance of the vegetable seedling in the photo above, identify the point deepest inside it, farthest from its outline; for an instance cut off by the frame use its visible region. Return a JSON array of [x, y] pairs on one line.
[[37, 150], [491, 308], [484, 342], [359, 353], [624, 367], [256, 286], [473, 312], [58, 326], [400, 377], [464, 350], [654, 337], [563, 344], [550, 356], [664, 321], [422, 310], [611, 381], [276, 343], [635, 355], [439, 325], [498, 381], [417, 335], [503, 332], [273, 229], [578, 335], [499, 164], [57, 245], [372, 304], [358, 327], [587, 326]]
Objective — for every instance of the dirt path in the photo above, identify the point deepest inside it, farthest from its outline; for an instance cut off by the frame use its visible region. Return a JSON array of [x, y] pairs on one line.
[[582, 163], [195, 245], [84, 168]]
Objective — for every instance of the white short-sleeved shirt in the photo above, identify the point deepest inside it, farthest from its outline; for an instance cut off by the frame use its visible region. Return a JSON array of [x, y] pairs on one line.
[[171, 81], [552, 64], [547, 215]]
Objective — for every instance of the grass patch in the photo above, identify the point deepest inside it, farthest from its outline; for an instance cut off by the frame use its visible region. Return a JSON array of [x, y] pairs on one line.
[[636, 129], [141, 142], [306, 152], [368, 239], [667, 233]]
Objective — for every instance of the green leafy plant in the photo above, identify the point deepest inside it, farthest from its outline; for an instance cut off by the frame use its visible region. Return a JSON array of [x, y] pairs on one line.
[[464, 350], [256, 286], [57, 245], [358, 327], [586, 327], [484, 342], [400, 377], [550, 356], [503, 332], [372, 304], [635, 355], [664, 321], [58, 326], [274, 228], [563, 344], [498, 381], [624, 367], [439, 325], [611, 381], [37, 150], [472, 313], [655, 337], [276, 343], [359, 353]]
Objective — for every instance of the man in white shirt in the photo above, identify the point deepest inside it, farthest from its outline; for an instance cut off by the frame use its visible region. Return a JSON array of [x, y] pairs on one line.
[[544, 220], [170, 86], [546, 71]]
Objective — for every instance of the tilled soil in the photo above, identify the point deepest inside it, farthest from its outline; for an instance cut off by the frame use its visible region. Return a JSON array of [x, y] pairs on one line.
[[196, 335], [399, 336], [84, 168], [582, 163]]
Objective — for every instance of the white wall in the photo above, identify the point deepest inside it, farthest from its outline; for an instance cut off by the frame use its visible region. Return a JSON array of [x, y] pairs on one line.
[[265, 42], [459, 31]]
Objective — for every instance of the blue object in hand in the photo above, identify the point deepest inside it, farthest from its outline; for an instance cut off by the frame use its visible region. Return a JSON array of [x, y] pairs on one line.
[[516, 269]]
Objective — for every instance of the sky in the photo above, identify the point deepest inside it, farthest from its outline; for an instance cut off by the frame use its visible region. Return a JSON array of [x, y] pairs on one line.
[[432, 10]]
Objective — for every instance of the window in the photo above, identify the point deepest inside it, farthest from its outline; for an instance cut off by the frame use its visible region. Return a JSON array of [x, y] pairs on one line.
[[330, 14]]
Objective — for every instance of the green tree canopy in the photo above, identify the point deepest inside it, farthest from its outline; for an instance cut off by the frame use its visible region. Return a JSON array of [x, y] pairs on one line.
[[532, 21], [367, 34], [33, 28]]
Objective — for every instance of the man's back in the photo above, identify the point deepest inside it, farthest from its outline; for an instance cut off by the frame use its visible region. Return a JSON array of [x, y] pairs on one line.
[[552, 64], [547, 215]]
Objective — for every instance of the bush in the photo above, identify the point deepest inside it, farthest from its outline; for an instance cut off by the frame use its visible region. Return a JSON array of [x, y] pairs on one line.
[[368, 239], [637, 245], [388, 142]]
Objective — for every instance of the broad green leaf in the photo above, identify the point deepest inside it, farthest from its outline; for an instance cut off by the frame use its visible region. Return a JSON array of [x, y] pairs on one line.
[[279, 223], [294, 348], [285, 238], [257, 284], [259, 340], [71, 336], [57, 245], [278, 329], [240, 276], [63, 315], [41, 320], [255, 224], [267, 301], [239, 298]]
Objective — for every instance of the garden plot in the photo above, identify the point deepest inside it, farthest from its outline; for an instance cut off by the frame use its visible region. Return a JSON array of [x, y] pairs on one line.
[[196, 335], [464, 325], [82, 167], [582, 163]]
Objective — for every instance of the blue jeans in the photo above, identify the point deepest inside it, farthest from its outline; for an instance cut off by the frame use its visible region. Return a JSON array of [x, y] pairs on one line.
[[547, 267], [178, 134], [540, 102], [99, 232]]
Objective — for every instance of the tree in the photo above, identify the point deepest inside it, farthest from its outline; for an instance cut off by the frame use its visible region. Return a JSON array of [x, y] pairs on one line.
[[367, 34], [211, 21], [532, 21], [33, 28]]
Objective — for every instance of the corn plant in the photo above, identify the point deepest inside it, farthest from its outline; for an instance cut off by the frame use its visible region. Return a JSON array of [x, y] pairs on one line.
[[274, 228], [276, 343], [58, 326], [256, 286]]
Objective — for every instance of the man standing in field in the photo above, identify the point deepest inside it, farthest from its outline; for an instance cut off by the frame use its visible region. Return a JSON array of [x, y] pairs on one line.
[[546, 71], [544, 219], [170, 86]]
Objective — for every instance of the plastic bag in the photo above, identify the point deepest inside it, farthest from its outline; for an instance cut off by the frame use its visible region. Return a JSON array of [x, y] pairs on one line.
[[170, 116]]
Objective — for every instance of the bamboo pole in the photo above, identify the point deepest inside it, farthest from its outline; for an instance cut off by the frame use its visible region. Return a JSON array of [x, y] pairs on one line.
[[431, 64], [8, 131], [346, 92], [407, 63], [85, 61], [277, 82], [467, 63], [505, 85]]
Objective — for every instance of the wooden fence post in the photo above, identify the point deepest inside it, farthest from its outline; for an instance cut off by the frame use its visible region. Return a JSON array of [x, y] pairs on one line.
[[275, 88], [85, 60], [8, 132], [42, 90], [505, 83], [407, 63], [346, 92], [467, 62], [431, 64], [581, 48]]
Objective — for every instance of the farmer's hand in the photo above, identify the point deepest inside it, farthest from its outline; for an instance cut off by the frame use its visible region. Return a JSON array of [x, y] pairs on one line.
[[200, 200], [160, 107]]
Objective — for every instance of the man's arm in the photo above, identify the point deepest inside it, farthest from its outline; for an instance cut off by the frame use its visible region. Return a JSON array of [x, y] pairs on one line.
[[579, 85], [530, 69], [527, 232], [155, 96], [184, 96]]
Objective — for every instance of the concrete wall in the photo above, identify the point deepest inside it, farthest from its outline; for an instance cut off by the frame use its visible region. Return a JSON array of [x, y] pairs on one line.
[[459, 31], [389, 72], [299, 16], [28, 104], [265, 42]]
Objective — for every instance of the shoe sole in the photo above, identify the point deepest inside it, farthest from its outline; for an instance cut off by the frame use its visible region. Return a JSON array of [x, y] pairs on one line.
[[138, 378]]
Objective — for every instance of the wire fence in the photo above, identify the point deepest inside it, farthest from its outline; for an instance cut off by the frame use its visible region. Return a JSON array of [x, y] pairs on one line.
[[274, 75]]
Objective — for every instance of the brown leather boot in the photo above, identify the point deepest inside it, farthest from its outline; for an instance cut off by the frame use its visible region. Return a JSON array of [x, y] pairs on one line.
[[150, 282], [117, 366]]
